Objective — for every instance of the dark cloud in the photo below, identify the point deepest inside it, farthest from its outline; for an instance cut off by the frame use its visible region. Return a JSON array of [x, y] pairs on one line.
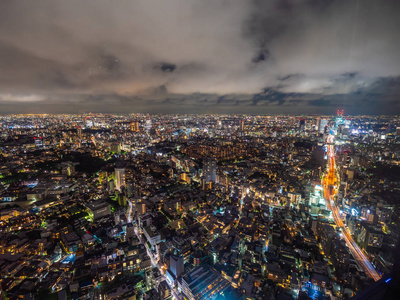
[[198, 56], [166, 67], [320, 102], [261, 56], [290, 77]]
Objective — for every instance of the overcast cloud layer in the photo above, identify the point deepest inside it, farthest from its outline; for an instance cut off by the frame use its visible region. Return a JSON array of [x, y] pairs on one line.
[[232, 56]]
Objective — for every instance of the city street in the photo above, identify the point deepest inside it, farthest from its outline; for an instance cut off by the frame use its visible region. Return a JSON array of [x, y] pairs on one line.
[[153, 262]]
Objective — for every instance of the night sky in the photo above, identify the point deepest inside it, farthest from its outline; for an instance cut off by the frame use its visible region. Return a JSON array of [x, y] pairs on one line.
[[187, 56]]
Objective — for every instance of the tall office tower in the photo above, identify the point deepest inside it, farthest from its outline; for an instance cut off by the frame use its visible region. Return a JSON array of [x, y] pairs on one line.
[[241, 128], [137, 126], [68, 168], [242, 125], [317, 200], [79, 131], [148, 125], [140, 208], [120, 178], [203, 283], [176, 265], [302, 124], [88, 122], [111, 185], [209, 170], [339, 119], [322, 124], [129, 189]]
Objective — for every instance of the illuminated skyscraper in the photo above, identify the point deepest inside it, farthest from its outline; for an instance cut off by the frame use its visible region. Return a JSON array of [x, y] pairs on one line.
[[302, 124], [148, 125], [88, 122], [119, 178], [79, 131], [242, 125], [317, 201], [68, 168], [176, 265], [209, 170], [322, 124], [339, 121], [135, 127]]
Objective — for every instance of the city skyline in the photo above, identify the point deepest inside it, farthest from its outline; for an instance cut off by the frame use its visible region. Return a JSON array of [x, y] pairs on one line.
[[178, 207], [253, 57]]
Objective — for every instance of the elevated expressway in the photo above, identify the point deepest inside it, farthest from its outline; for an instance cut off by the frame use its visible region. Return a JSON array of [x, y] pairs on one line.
[[330, 184]]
